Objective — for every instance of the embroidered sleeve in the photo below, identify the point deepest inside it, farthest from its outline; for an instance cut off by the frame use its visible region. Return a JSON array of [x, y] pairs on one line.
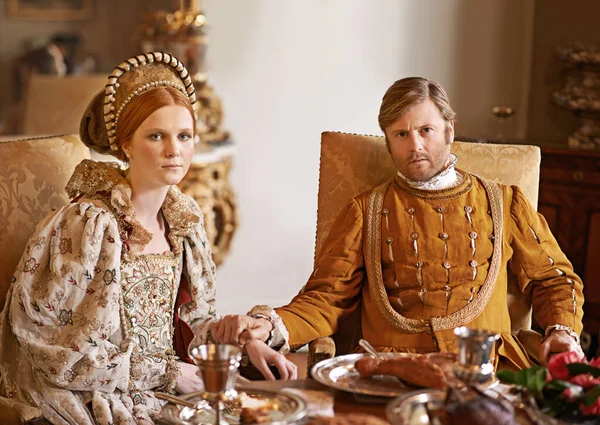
[[153, 371], [543, 270], [201, 271], [66, 300]]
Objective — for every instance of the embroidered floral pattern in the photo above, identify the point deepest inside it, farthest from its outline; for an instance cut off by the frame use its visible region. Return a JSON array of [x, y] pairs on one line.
[[148, 285], [109, 276], [31, 266], [65, 317], [65, 246], [79, 285]]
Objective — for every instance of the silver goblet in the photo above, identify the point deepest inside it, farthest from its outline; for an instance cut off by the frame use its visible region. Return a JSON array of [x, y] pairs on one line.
[[217, 366], [475, 346]]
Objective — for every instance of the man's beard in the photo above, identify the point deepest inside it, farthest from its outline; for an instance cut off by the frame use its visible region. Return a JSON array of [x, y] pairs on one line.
[[438, 168]]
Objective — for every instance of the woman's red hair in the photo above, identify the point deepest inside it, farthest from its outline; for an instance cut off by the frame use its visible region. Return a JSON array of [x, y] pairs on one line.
[[144, 105]]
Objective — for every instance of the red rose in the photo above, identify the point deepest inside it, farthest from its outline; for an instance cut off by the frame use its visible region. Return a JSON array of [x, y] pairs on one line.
[[586, 381], [595, 362], [593, 410], [557, 366]]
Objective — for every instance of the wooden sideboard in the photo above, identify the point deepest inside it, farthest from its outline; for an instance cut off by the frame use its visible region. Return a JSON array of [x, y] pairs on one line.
[[570, 202]]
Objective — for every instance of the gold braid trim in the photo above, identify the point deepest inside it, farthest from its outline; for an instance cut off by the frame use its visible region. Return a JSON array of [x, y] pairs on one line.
[[441, 194], [372, 253]]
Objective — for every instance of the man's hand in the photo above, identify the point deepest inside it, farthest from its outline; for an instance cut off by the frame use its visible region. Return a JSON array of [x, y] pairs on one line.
[[188, 381], [239, 330], [558, 342], [262, 356]]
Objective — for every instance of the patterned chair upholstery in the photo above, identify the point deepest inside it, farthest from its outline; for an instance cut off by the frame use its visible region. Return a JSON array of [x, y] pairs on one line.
[[33, 176], [353, 163]]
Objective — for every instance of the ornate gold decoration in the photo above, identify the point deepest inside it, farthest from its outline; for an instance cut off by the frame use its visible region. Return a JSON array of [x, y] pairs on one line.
[[129, 79], [208, 184], [182, 33]]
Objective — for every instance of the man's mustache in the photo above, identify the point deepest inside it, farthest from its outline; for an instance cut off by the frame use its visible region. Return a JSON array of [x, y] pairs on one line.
[[417, 158]]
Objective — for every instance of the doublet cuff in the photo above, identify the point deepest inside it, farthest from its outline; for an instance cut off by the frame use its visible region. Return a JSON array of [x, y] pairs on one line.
[[281, 336], [271, 332]]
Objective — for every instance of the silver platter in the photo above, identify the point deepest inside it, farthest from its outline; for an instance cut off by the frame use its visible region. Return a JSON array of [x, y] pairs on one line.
[[339, 373], [409, 409], [285, 408]]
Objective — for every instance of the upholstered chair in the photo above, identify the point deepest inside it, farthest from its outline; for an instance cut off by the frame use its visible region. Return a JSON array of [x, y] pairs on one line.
[[353, 163], [55, 105], [33, 176]]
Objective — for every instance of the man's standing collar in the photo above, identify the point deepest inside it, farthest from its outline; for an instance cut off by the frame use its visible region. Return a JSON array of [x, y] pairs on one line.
[[446, 178]]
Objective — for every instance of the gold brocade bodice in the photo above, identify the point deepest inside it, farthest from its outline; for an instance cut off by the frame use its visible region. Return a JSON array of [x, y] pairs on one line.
[[149, 287]]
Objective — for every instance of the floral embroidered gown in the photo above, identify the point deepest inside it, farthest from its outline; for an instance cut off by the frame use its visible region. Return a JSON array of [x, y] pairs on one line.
[[88, 326]]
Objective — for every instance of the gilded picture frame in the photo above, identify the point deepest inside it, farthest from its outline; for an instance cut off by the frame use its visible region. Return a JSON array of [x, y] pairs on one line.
[[50, 10]]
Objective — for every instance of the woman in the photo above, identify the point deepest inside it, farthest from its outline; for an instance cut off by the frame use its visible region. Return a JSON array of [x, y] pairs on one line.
[[113, 287]]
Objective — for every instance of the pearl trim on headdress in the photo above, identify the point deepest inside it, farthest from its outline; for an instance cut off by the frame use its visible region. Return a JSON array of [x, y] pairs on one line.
[[112, 114]]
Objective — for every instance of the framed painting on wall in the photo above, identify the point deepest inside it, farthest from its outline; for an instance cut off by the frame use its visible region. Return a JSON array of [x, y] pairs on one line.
[[50, 10]]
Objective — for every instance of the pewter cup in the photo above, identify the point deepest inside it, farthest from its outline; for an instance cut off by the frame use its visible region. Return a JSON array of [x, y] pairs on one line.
[[474, 349], [217, 364]]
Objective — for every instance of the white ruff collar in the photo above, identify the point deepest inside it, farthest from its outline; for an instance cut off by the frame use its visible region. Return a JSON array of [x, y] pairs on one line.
[[446, 178]]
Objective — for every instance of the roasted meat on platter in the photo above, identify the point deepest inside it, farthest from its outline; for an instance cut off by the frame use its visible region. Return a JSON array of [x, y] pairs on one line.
[[427, 370]]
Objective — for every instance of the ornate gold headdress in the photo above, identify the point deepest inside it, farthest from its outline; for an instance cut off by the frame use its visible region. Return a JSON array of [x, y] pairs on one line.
[[131, 78]]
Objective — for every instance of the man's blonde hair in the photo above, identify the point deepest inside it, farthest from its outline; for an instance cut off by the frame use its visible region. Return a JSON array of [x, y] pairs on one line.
[[408, 92]]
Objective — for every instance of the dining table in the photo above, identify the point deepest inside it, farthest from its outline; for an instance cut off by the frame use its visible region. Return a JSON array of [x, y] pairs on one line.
[[343, 402]]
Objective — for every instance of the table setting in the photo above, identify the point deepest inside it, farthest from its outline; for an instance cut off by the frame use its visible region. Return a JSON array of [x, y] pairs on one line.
[[223, 402], [395, 388]]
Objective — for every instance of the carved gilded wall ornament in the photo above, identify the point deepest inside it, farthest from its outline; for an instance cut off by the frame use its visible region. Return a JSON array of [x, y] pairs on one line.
[[207, 182], [183, 34]]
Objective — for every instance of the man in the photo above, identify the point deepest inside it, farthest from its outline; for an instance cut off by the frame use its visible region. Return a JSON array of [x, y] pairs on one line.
[[439, 257]]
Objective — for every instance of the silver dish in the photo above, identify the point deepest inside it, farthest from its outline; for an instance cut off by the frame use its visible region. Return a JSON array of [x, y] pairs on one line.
[[286, 408], [339, 373], [410, 409]]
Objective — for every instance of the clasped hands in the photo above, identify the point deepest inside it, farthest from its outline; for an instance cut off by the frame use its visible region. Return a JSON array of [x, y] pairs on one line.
[[250, 334]]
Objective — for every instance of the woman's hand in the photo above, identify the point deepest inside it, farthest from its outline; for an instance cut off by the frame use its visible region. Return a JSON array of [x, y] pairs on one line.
[[238, 329], [188, 381], [262, 356]]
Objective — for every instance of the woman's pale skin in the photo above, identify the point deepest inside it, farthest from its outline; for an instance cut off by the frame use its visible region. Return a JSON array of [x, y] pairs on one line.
[[159, 155]]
